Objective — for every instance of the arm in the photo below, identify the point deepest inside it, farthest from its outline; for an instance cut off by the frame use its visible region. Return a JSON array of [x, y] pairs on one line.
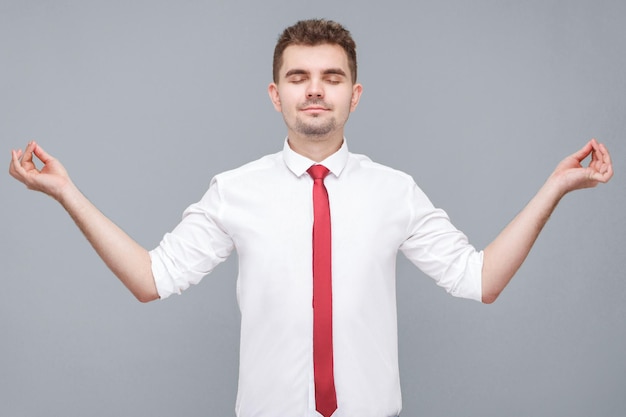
[[504, 256], [126, 258]]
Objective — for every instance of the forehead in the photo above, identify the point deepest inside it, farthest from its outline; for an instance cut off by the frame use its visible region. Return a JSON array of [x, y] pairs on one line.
[[314, 59]]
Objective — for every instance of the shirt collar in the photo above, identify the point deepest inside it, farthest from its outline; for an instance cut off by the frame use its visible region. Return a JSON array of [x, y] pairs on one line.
[[298, 164]]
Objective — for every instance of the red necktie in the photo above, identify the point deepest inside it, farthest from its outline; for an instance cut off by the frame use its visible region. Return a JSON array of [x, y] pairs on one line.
[[325, 396]]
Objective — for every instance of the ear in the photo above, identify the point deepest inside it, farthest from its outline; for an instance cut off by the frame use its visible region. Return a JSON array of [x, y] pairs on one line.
[[272, 90], [357, 90]]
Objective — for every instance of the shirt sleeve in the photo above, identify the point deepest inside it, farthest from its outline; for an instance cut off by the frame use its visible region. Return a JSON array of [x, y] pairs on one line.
[[195, 246], [441, 251]]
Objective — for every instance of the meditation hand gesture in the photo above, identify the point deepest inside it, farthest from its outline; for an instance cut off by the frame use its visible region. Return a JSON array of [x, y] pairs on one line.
[[571, 175], [126, 258], [51, 179]]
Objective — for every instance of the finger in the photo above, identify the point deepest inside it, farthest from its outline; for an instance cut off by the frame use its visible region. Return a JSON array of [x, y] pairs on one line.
[[601, 177], [602, 172], [16, 170], [584, 152], [596, 154], [601, 159], [15, 157], [605, 153], [44, 156], [607, 169], [27, 157]]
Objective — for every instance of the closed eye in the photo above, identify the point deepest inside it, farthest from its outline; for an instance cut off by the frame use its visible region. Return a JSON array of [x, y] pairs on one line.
[[296, 76], [334, 75], [296, 80]]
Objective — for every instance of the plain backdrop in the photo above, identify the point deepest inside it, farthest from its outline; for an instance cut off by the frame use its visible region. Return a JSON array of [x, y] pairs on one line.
[[144, 101]]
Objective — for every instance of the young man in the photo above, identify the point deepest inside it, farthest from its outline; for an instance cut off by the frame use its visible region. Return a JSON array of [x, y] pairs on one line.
[[340, 357]]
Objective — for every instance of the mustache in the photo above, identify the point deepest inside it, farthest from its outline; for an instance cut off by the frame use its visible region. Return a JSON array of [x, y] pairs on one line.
[[314, 102]]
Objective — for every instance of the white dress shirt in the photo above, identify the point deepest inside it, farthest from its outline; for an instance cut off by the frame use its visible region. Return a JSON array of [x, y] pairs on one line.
[[264, 210]]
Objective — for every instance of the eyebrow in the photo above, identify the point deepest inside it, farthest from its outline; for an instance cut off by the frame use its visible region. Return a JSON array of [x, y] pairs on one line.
[[329, 71], [334, 71], [296, 72]]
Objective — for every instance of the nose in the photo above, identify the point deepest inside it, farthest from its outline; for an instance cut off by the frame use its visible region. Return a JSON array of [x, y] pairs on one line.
[[315, 89]]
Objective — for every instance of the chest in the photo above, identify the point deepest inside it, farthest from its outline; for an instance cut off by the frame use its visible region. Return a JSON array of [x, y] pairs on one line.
[[279, 214]]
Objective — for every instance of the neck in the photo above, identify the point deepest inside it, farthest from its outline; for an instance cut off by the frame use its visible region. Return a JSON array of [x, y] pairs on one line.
[[316, 148]]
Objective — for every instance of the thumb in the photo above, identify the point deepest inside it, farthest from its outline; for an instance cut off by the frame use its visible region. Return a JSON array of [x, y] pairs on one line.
[[43, 156]]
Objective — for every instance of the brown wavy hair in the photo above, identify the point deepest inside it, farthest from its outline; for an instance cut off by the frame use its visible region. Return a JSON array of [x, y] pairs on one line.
[[314, 32]]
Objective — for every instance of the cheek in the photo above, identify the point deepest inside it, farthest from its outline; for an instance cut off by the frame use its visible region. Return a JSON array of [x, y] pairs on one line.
[[350, 104], [287, 99], [346, 98]]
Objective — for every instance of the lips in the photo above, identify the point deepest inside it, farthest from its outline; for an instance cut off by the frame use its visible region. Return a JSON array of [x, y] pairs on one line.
[[314, 106]]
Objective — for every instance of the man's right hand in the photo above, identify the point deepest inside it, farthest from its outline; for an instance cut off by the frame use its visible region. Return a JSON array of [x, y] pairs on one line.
[[129, 261], [51, 179]]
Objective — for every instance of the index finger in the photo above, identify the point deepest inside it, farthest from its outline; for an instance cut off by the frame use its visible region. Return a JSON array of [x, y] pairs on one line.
[[583, 152], [28, 152], [44, 156]]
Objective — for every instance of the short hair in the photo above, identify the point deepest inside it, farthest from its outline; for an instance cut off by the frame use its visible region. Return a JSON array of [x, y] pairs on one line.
[[315, 32]]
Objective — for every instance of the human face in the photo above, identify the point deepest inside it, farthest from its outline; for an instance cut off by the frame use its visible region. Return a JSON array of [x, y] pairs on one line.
[[314, 92]]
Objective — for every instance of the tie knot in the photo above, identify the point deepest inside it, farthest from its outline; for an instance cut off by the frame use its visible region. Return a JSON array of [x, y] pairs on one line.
[[318, 172]]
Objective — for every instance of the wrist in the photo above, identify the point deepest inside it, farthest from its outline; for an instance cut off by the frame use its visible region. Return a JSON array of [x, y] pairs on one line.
[[554, 188], [66, 194]]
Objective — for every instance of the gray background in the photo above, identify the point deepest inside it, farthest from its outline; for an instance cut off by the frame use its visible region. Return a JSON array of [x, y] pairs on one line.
[[144, 101]]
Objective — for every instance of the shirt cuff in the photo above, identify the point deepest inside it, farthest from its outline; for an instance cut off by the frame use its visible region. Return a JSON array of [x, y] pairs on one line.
[[471, 285], [164, 283]]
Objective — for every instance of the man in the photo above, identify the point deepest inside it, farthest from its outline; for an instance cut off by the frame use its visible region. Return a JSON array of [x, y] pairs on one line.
[[340, 357]]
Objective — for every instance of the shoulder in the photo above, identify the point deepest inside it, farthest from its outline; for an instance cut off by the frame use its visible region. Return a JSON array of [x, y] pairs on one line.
[[267, 163], [364, 165], [246, 179]]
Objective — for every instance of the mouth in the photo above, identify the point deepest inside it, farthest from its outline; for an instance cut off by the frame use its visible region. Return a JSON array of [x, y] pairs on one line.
[[314, 106], [314, 109]]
